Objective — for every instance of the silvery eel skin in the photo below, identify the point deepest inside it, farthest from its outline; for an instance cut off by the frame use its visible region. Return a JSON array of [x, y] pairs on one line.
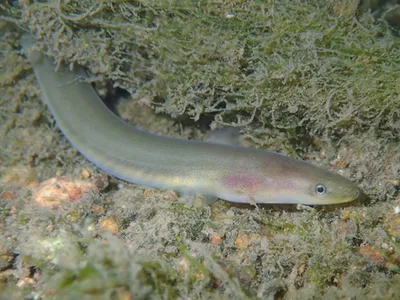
[[232, 173]]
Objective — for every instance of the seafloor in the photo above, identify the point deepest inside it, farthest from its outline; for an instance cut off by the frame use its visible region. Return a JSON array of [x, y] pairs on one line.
[[316, 80]]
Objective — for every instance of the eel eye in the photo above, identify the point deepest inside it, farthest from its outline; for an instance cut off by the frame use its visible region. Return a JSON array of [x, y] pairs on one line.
[[320, 189]]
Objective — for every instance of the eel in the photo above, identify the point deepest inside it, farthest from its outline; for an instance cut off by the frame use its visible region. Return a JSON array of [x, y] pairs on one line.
[[232, 173]]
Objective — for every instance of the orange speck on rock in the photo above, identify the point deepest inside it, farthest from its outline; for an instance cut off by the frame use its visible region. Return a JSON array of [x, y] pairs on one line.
[[373, 254], [215, 239], [242, 241], [85, 173], [7, 196], [345, 215], [98, 210], [341, 164], [199, 275], [110, 224], [394, 181], [147, 193], [124, 295], [54, 191]]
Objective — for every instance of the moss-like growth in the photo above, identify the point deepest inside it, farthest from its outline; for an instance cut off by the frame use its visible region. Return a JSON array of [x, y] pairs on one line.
[[283, 65]]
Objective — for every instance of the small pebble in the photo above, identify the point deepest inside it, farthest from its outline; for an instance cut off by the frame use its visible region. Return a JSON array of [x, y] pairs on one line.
[[147, 193], [25, 282], [215, 239], [170, 196], [183, 266], [110, 224], [85, 173], [54, 191], [242, 241]]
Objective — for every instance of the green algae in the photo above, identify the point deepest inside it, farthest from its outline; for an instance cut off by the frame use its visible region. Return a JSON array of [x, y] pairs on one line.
[[326, 73]]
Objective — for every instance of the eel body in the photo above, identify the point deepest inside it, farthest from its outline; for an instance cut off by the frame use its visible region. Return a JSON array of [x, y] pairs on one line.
[[232, 173]]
